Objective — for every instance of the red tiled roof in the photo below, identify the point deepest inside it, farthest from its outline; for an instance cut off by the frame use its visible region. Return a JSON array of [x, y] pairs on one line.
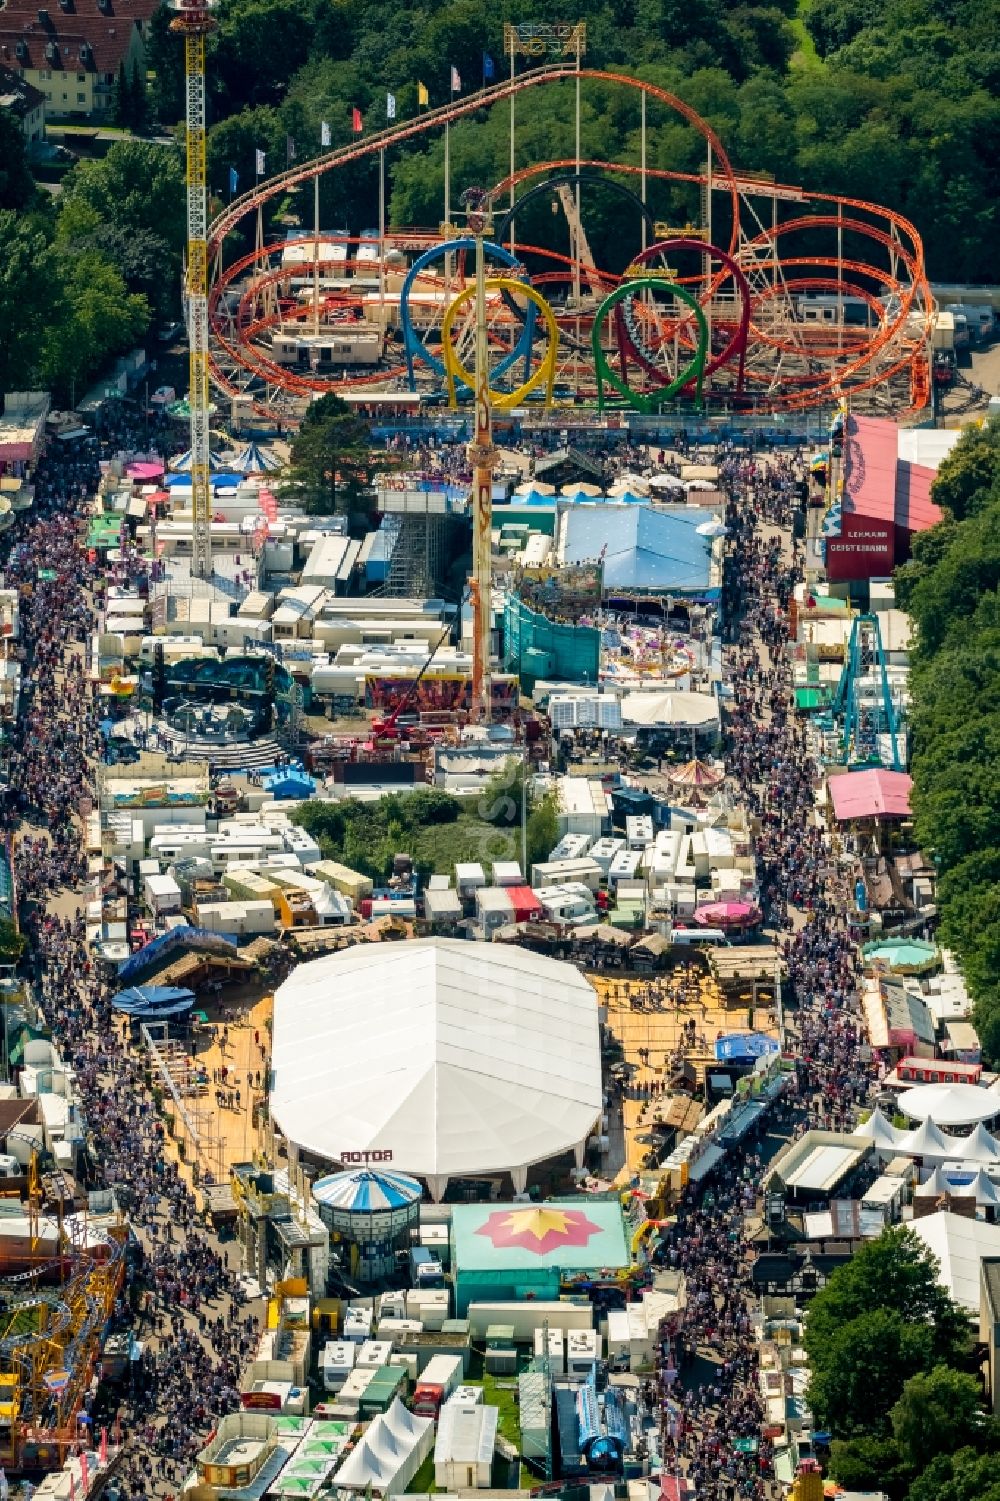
[[106, 32]]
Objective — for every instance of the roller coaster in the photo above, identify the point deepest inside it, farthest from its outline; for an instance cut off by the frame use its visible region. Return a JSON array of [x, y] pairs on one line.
[[778, 300], [52, 1319]]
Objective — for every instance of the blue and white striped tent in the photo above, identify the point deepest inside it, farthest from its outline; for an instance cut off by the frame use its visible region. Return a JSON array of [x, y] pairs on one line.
[[182, 463], [367, 1191], [256, 460]]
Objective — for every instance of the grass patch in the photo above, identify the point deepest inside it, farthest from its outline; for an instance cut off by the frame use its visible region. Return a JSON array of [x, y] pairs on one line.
[[805, 55], [501, 1392], [422, 1483]]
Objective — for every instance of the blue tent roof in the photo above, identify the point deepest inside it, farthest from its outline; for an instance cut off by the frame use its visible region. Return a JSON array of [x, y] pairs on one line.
[[744, 1047], [367, 1190], [154, 1001], [645, 549]]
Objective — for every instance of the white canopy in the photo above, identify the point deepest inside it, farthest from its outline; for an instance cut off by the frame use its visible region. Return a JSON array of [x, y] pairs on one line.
[[389, 1453], [950, 1104], [980, 1146], [960, 1246], [925, 1141], [880, 1130], [933, 1187], [448, 1058], [984, 1189]]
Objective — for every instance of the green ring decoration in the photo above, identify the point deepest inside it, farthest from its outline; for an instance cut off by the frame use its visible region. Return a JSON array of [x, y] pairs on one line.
[[694, 371]]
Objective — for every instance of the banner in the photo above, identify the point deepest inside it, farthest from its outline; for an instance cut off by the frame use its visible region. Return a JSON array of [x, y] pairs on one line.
[[324, 133]]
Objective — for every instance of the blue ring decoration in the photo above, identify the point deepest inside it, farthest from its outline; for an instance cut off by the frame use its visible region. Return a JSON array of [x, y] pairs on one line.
[[412, 346]]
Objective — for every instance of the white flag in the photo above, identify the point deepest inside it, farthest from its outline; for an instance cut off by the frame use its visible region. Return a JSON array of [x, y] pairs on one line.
[[456, 82], [260, 163], [4, 1487], [324, 133], [390, 106]]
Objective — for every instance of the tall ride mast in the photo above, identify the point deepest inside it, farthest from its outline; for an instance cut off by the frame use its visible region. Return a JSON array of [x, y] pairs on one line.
[[193, 20]]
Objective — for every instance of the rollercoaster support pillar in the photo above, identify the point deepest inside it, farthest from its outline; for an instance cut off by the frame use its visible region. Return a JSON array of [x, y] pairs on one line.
[[579, 220], [642, 160], [381, 238], [709, 242], [513, 67], [482, 456], [316, 254]]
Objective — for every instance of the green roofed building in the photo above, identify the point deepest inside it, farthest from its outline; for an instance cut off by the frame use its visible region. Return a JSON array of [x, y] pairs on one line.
[[510, 1252]]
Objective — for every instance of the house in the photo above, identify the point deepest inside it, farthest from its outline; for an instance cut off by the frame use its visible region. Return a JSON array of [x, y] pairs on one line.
[[24, 103], [72, 51]]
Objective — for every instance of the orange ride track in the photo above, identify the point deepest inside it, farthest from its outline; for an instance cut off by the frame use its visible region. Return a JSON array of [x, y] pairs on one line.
[[790, 364]]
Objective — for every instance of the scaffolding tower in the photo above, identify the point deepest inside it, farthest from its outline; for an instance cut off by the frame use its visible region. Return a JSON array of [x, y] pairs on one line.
[[871, 732], [419, 528]]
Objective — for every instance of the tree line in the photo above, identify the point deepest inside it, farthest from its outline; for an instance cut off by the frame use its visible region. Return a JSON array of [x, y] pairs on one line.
[[84, 275], [950, 588], [896, 101], [894, 1379]]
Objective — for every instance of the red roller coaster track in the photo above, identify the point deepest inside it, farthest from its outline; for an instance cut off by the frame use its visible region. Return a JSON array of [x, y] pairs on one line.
[[791, 364]]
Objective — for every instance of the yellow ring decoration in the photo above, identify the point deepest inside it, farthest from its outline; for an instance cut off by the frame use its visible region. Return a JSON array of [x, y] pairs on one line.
[[454, 371]]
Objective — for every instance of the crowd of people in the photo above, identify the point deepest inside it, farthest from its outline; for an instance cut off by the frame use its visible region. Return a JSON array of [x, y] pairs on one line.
[[180, 1295], [708, 1372]]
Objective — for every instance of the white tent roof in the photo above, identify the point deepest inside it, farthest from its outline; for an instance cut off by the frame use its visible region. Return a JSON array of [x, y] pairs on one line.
[[933, 1187], [984, 1189], [879, 1130], [389, 1453], [960, 1245], [669, 707], [925, 1141], [950, 1104], [457, 1058], [979, 1147]]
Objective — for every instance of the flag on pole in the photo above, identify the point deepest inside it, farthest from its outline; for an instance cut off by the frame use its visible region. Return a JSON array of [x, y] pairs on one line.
[[357, 125], [324, 133], [289, 149], [102, 1453], [423, 98], [390, 106], [84, 1475], [456, 80], [260, 163], [488, 66], [234, 182]]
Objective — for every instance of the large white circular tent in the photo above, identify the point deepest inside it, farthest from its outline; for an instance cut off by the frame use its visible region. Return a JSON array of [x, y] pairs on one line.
[[440, 1057], [950, 1104]]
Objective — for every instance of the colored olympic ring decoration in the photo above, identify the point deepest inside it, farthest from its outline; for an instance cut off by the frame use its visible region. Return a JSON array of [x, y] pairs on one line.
[[415, 349], [736, 344], [455, 371], [695, 369]]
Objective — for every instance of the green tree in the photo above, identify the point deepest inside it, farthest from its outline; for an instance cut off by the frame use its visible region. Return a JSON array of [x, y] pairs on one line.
[[878, 1352], [964, 1476], [139, 185], [12, 943], [17, 187], [968, 478], [880, 1319], [121, 98], [138, 101], [330, 458], [543, 829], [102, 318], [939, 1411], [869, 1464], [30, 298]]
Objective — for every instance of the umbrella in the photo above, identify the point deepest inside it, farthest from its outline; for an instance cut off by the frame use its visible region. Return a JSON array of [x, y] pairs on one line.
[[696, 774], [713, 528], [665, 482], [154, 1001], [540, 487], [630, 484], [727, 915]]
